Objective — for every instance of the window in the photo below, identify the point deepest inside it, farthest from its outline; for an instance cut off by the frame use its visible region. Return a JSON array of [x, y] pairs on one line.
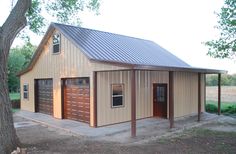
[[26, 91], [160, 94], [117, 95], [56, 43], [81, 82]]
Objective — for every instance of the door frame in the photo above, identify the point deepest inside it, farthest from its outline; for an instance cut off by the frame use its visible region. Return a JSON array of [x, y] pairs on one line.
[[155, 85]]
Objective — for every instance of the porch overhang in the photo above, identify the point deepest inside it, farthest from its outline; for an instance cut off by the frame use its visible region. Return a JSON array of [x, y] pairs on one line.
[[133, 68]]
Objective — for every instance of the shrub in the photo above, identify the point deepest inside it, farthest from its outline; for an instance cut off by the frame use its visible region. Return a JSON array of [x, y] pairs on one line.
[[212, 108], [226, 108]]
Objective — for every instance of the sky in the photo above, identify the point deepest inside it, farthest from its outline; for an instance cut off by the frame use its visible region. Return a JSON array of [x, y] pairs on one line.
[[178, 26]]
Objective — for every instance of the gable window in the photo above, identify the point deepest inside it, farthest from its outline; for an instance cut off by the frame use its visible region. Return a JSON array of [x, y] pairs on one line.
[[26, 91], [117, 95], [56, 43]]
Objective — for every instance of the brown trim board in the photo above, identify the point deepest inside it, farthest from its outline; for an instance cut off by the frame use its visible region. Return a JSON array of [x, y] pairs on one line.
[[171, 99], [219, 94], [95, 99], [133, 104]]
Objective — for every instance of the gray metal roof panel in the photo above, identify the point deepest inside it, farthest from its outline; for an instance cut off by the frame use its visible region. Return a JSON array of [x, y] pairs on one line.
[[105, 46]]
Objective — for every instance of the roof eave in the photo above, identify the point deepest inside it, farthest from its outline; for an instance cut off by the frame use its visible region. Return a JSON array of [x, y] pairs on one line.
[[185, 69], [162, 68]]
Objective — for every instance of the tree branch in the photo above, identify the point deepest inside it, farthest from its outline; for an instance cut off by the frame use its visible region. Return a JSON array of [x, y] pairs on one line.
[[16, 21]]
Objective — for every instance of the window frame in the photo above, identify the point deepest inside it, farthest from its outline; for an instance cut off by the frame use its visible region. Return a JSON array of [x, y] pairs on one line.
[[26, 91], [53, 44], [123, 95]]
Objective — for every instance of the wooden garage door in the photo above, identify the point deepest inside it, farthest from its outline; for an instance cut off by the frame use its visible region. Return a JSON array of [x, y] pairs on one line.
[[77, 99], [44, 96]]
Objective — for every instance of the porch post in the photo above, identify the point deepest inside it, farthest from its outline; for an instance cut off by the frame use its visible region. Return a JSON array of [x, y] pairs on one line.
[[133, 104], [199, 97], [171, 99], [219, 93], [95, 98]]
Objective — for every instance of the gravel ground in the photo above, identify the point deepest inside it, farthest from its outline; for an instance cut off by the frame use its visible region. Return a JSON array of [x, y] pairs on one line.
[[41, 139]]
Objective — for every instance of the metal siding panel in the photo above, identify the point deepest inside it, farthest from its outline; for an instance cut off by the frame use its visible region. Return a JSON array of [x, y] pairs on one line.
[[106, 114], [186, 93]]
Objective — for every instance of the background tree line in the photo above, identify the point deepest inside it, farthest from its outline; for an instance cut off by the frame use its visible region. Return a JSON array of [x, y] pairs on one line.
[[19, 58], [226, 80]]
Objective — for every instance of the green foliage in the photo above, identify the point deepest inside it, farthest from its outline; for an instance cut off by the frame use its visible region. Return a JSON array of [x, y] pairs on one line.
[[15, 63], [226, 80], [62, 11], [212, 108], [225, 46], [226, 108], [35, 20], [19, 58]]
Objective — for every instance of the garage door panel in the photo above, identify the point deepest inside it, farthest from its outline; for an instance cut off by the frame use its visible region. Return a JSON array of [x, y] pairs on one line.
[[77, 99], [44, 94]]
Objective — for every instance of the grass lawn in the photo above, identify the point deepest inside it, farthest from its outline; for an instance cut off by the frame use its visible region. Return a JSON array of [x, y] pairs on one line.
[[14, 96], [15, 110]]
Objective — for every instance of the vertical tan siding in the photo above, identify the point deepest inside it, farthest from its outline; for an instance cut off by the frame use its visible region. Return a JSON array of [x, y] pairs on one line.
[[70, 62], [186, 93], [107, 114], [144, 95]]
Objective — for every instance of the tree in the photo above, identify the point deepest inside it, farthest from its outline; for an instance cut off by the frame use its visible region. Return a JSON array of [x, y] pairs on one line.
[[23, 11], [19, 58], [226, 80], [225, 46], [15, 64]]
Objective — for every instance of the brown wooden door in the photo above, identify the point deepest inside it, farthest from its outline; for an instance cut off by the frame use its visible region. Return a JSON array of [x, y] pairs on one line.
[[44, 96], [77, 99], [160, 100]]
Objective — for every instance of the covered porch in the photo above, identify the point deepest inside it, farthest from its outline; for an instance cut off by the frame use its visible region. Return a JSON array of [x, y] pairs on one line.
[[171, 120]]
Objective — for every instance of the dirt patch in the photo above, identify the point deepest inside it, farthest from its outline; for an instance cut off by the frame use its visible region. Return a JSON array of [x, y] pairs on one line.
[[228, 93], [43, 139]]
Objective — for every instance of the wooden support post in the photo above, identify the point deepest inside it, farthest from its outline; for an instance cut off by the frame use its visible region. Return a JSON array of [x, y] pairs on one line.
[[171, 99], [95, 99], [199, 97], [133, 104], [219, 94]]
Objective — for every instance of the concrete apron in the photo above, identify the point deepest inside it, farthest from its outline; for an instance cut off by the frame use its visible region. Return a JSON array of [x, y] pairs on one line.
[[147, 129]]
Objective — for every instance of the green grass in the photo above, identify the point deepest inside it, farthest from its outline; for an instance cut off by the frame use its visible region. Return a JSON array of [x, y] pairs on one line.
[[15, 110], [226, 107], [14, 96]]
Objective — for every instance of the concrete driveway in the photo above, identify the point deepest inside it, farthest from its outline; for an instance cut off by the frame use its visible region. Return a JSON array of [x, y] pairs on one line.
[[147, 129]]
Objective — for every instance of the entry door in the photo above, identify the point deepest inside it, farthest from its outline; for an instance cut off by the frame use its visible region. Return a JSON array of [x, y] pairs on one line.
[[160, 100]]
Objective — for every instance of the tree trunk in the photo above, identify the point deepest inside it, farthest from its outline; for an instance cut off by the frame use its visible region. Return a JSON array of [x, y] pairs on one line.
[[15, 22], [8, 138]]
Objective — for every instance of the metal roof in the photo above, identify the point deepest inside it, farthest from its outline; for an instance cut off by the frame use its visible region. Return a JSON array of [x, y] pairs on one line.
[[109, 47], [118, 49]]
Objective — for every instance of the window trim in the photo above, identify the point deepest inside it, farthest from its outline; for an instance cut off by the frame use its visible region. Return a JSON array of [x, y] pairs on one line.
[[56, 53], [26, 91], [123, 95]]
